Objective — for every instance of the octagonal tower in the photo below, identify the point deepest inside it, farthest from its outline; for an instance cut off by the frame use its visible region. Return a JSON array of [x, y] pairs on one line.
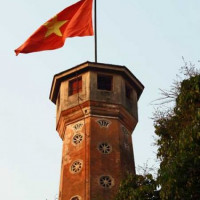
[[96, 115]]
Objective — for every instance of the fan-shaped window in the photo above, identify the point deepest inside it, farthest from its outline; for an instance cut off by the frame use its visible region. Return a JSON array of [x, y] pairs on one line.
[[103, 123], [125, 131], [78, 126]]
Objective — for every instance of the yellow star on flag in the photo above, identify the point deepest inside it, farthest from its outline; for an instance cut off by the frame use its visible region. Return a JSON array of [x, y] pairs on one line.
[[54, 26]]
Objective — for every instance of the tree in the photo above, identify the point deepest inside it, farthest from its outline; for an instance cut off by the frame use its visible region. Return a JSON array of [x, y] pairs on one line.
[[178, 142], [138, 187]]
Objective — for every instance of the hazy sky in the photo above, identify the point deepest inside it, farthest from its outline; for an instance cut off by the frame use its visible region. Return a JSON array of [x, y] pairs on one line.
[[148, 37]]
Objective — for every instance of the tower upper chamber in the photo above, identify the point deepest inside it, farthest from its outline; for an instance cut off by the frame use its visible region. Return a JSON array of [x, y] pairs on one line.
[[96, 114]]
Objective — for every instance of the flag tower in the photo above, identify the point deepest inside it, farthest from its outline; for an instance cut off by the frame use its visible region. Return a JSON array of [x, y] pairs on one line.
[[96, 112]]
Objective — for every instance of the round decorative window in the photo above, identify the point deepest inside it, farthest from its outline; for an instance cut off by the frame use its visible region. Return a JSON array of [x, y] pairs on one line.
[[76, 166], [76, 198], [106, 181], [77, 138], [105, 148]]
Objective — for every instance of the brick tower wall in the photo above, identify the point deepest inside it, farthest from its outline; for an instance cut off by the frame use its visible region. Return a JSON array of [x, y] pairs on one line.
[[104, 148]]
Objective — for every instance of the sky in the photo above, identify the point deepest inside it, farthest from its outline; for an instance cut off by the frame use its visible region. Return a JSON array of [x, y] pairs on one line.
[[148, 37]]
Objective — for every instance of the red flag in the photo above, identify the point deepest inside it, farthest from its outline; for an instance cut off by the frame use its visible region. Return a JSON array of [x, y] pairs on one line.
[[75, 20]]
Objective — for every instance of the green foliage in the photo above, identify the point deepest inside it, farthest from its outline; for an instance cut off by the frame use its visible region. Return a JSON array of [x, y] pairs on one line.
[[138, 187], [178, 143]]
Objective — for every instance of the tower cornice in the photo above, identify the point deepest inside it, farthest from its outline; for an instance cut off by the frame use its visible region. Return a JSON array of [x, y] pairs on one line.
[[95, 109]]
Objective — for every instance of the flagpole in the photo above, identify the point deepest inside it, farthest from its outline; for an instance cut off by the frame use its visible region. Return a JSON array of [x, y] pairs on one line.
[[95, 29]]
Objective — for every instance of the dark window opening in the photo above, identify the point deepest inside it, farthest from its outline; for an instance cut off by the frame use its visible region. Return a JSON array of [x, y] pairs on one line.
[[75, 86], [104, 82], [128, 91]]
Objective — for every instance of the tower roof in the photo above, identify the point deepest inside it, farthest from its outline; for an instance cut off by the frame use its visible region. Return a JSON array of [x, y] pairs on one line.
[[92, 66]]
